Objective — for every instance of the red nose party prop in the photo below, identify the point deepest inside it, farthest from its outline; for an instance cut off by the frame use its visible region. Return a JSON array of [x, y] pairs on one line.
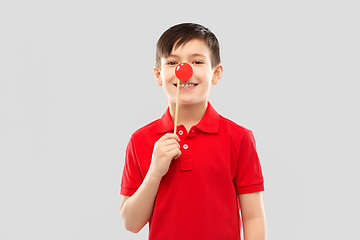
[[183, 72]]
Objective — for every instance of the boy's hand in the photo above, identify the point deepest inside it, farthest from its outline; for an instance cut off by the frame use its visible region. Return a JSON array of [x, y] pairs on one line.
[[165, 150]]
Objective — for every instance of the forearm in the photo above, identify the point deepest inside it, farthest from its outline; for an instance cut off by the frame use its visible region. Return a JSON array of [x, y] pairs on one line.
[[254, 229], [137, 210]]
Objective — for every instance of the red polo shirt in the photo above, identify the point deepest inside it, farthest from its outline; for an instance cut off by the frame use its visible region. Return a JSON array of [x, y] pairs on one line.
[[198, 196]]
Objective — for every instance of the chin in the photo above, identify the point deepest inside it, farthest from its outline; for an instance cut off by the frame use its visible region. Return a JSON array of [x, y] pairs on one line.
[[189, 102]]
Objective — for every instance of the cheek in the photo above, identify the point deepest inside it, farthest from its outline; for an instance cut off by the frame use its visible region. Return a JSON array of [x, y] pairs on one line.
[[203, 69], [168, 75], [203, 74]]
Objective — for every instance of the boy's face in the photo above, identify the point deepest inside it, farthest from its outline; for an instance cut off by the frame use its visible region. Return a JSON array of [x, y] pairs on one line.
[[197, 89]]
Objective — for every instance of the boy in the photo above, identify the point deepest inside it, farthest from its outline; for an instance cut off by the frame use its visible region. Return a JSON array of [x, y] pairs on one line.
[[192, 184]]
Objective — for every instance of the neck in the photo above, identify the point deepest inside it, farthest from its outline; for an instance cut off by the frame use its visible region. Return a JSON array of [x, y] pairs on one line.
[[189, 115]]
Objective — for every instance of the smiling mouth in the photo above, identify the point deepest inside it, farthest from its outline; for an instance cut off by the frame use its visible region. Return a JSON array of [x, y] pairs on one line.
[[186, 85]]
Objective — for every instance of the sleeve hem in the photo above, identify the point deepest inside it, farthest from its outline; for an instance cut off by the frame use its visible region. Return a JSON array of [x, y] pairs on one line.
[[250, 189], [127, 191]]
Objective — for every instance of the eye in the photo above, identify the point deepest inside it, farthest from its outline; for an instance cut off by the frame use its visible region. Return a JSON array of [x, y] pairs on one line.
[[198, 62], [171, 63]]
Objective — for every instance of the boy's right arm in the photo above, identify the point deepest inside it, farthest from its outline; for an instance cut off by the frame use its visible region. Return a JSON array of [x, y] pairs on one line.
[[136, 210]]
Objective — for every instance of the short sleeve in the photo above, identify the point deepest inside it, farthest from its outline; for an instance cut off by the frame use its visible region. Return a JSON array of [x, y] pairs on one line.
[[248, 177], [132, 177]]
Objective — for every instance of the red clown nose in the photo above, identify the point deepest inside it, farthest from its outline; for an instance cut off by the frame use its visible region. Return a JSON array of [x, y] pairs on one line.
[[183, 71]]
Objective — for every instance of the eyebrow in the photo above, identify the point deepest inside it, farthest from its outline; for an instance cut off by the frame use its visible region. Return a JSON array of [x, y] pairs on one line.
[[192, 55]]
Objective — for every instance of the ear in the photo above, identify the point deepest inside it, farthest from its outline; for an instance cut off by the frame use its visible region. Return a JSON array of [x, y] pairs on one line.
[[157, 74], [218, 71]]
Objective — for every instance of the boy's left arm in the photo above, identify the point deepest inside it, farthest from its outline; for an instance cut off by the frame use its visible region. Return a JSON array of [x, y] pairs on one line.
[[253, 216]]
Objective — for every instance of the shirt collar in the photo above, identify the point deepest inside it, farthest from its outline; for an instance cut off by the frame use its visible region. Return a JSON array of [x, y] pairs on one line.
[[209, 122]]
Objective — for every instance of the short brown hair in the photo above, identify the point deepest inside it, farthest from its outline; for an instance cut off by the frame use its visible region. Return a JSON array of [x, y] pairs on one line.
[[182, 33]]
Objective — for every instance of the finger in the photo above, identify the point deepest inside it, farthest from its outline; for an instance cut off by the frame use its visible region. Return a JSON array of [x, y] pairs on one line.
[[175, 153], [170, 136], [170, 142], [170, 147]]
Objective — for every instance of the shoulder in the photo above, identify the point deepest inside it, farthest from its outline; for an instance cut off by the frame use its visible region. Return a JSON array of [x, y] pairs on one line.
[[238, 136], [145, 130], [233, 128]]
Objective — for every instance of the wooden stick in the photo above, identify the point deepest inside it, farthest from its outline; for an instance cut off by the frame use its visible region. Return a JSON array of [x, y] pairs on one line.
[[177, 105]]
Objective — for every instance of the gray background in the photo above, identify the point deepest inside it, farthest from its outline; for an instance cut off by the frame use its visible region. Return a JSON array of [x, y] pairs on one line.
[[76, 79]]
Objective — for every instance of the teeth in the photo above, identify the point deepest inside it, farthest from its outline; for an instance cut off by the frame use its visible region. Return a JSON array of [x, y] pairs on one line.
[[187, 85]]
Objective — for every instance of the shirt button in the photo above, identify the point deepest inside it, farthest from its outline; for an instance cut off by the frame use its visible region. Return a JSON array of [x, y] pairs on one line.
[[181, 132], [185, 146]]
